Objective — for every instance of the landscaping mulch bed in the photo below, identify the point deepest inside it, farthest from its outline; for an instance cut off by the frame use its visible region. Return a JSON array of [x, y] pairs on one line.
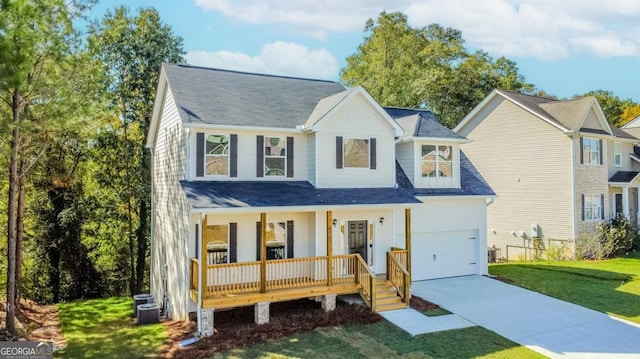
[[420, 304], [236, 327], [36, 322]]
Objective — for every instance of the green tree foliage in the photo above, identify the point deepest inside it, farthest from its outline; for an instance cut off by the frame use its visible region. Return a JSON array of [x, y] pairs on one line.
[[403, 66], [630, 113], [613, 106], [132, 49], [37, 42]]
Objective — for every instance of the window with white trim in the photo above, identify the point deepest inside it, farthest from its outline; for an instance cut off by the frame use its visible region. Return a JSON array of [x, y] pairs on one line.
[[275, 156], [216, 155], [592, 207], [617, 154], [437, 161], [356, 153], [591, 151]]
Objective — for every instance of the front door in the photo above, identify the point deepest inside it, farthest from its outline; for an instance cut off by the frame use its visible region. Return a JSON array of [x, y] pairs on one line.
[[358, 238], [618, 198]]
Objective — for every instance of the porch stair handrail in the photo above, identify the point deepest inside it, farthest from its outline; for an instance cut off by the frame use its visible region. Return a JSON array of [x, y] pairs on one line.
[[399, 276], [367, 282]]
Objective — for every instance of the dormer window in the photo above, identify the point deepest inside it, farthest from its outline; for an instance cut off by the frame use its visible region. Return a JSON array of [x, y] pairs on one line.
[[437, 161]]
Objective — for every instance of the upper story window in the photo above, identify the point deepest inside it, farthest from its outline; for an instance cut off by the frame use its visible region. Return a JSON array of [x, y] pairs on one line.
[[356, 153], [591, 151], [617, 154], [437, 161], [275, 156], [216, 155]]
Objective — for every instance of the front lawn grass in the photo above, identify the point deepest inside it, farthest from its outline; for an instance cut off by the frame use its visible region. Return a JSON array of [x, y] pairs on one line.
[[105, 328], [611, 286], [384, 340]]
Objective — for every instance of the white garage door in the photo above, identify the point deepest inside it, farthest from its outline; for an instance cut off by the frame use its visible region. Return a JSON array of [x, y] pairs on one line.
[[443, 254]]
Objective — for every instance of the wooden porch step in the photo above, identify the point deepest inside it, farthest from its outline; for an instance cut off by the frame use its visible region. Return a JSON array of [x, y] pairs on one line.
[[387, 297]]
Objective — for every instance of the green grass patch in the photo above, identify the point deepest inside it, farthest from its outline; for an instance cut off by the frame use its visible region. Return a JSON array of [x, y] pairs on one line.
[[105, 328], [384, 340], [436, 312], [611, 286]]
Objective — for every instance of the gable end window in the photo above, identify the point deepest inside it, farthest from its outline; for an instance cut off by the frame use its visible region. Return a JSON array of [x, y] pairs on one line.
[[591, 153], [437, 161], [356, 153], [592, 207], [617, 154]]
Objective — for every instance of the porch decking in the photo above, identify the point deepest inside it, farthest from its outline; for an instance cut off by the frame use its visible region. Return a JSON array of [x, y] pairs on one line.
[[242, 284]]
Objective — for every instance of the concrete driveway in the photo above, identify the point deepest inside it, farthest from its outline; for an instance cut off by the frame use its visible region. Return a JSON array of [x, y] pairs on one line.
[[552, 327]]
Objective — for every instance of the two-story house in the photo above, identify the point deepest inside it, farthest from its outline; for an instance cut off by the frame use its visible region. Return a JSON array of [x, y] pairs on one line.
[[557, 167], [269, 188]]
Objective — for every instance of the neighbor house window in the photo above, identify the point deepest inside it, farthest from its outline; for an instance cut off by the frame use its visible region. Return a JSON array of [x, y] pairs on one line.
[[275, 156], [437, 161], [617, 154], [356, 153], [276, 240], [591, 151], [216, 155], [592, 207], [216, 238]]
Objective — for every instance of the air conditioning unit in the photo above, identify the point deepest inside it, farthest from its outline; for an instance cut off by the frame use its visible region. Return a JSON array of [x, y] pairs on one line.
[[148, 313], [141, 299]]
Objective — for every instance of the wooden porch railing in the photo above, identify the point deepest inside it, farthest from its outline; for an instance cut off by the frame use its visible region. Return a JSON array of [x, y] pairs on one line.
[[398, 275], [193, 274], [296, 272], [367, 281], [401, 255], [244, 277], [230, 278]]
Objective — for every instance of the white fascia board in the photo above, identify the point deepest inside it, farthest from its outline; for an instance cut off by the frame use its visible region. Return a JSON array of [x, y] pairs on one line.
[[302, 208], [208, 126]]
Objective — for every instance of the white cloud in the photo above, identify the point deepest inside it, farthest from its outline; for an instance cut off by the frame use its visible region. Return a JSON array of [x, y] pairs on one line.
[[545, 29], [278, 58]]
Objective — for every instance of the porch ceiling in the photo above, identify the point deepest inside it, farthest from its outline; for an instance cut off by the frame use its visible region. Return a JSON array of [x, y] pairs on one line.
[[235, 194]]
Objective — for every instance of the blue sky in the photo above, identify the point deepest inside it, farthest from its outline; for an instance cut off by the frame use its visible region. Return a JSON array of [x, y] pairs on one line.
[[563, 47]]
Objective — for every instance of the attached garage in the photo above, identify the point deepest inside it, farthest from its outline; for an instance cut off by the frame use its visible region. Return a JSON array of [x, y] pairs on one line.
[[444, 254]]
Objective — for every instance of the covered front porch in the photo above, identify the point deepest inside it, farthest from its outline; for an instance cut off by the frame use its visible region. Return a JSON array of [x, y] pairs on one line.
[[217, 283], [624, 189]]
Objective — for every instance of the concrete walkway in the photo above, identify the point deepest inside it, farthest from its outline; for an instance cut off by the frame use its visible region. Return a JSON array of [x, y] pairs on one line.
[[552, 327], [416, 323]]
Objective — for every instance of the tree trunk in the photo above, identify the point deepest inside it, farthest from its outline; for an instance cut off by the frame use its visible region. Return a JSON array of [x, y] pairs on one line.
[[11, 216], [55, 233], [20, 229], [141, 235]]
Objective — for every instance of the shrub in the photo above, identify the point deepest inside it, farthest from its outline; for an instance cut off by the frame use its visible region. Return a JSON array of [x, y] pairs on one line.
[[608, 239]]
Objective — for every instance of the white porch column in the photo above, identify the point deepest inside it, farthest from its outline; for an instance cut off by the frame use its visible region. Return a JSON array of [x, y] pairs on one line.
[[625, 201]]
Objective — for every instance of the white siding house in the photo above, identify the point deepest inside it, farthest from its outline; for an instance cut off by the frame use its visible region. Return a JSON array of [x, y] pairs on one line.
[[269, 188], [551, 164]]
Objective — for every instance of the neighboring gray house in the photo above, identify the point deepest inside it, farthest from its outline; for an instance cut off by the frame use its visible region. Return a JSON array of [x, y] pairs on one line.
[[557, 167], [270, 188]]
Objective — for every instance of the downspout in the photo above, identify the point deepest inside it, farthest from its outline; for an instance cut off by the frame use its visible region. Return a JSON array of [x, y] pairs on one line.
[[572, 136], [202, 258]]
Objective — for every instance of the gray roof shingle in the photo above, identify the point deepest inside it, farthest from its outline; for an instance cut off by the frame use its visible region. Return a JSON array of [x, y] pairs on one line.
[[568, 114], [222, 97], [471, 182], [623, 176], [421, 123], [236, 194]]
